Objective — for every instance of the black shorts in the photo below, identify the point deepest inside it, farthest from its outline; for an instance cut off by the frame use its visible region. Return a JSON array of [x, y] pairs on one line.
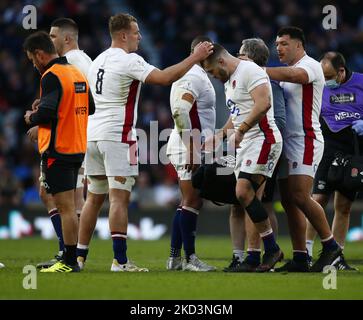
[[321, 185], [58, 175]]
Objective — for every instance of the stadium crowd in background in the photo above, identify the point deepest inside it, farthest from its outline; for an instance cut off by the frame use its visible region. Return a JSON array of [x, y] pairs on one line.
[[227, 22]]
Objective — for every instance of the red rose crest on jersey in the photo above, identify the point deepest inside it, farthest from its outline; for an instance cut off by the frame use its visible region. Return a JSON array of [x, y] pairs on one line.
[[233, 84]]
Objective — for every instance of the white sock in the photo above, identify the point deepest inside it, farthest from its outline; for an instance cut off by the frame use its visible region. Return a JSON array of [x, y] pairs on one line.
[[266, 233], [239, 254], [82, 246], [310, 246]]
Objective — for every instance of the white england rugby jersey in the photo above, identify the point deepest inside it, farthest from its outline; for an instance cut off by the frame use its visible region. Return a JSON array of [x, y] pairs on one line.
[[80, 59], [203, 112], [115, 80], [247, 77], [304, 102]]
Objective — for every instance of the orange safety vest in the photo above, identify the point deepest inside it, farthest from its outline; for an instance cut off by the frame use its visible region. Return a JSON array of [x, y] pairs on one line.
[[72, 113]]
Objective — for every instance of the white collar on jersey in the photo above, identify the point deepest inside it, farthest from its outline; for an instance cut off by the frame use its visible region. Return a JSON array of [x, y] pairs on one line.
[[305, 55]]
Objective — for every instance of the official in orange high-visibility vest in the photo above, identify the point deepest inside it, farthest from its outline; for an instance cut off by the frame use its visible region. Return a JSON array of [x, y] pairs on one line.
[[62, 117]]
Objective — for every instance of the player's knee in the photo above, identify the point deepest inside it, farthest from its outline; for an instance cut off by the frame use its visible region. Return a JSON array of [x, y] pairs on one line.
[[244, 194], [96, 185], [66, 207], [301, 199], [46, 198], [95, 200], [193, 202], [286, 202], [121, 183], [191, 199]]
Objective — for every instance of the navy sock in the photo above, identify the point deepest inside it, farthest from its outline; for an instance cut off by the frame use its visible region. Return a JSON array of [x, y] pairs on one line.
[[70, 257], [300, 256], [57, 225], [253, 257], [188, 224], [270, 243], [82, 253], [119, 246], [176, 235], [330, 244]]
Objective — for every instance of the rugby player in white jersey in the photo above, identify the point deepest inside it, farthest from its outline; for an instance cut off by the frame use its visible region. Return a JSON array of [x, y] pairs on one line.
[[303, 82], [256, 137], [255, 49], [111, 163], [64, 34], [192, 101]]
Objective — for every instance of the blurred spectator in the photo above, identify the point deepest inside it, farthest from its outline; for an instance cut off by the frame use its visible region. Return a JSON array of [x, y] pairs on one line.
[[31, 188], [167, 193], [143, 194]]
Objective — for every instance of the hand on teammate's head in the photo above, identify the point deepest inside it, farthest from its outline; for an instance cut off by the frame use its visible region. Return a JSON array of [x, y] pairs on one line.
[[202, 50]]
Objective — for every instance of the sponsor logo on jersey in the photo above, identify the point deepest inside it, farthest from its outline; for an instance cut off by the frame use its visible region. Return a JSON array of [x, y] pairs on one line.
[[80, 87]]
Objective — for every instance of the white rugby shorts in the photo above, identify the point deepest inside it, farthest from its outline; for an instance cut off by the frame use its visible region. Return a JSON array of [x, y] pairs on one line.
[[300, 156], [178, 155], [256, 156], [111, 158]]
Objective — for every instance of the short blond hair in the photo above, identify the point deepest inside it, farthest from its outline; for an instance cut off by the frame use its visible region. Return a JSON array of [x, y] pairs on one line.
[[120, 21]]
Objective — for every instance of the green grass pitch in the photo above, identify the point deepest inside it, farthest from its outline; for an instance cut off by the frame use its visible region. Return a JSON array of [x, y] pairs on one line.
[[97, 282]]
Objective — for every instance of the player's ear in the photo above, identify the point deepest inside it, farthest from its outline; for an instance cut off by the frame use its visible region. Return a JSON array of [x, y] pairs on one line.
[[123, 35], [66, 38], [37, 54]]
